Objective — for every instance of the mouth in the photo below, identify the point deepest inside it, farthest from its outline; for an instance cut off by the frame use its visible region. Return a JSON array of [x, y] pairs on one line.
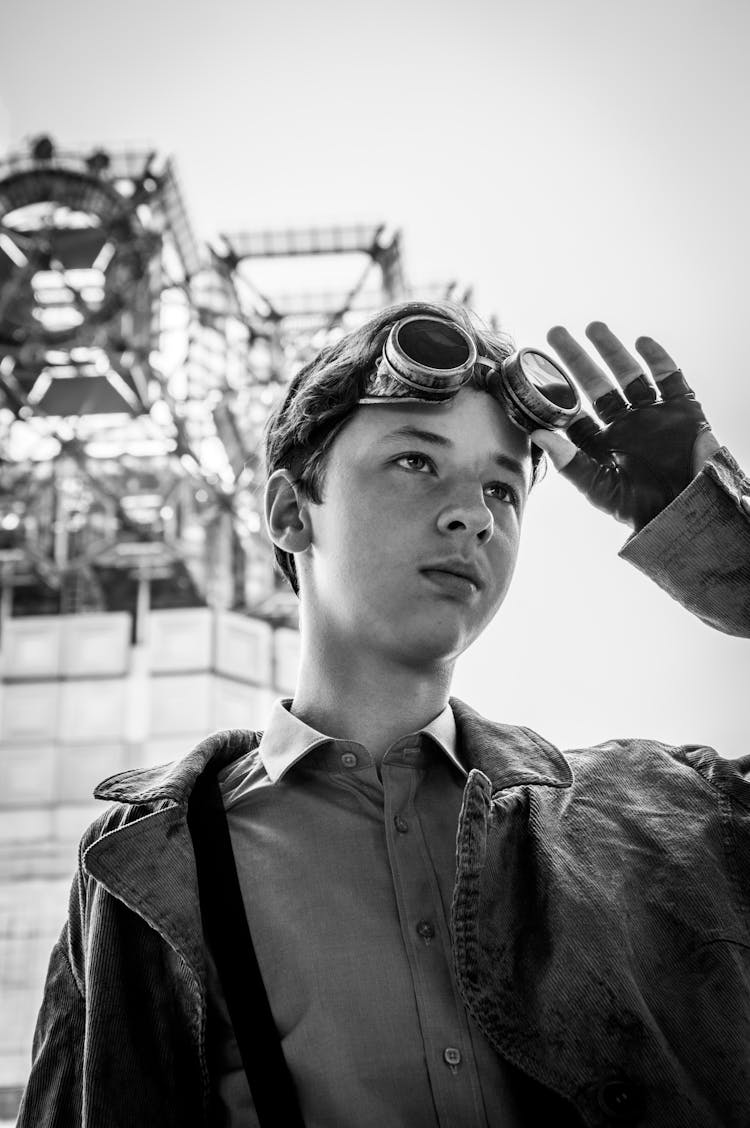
[[457, 566], [452, 582]]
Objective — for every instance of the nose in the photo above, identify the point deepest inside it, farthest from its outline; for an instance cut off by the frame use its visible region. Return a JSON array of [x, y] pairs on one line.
[[467, 511]]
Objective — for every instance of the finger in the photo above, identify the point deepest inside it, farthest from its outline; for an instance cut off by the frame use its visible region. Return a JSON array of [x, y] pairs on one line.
[[608, 401], [656, 357], [582, 429], [626, 370], [587, 372], [669, 379], [561, 450], [562, 446], [624, 366]]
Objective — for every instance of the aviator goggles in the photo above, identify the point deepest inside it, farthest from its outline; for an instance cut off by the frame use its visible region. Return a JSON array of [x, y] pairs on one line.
[[429, 359]]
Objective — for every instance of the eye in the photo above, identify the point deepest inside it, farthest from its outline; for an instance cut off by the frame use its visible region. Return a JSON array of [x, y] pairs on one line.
[[503, 492], [422, 464], [413, 457]]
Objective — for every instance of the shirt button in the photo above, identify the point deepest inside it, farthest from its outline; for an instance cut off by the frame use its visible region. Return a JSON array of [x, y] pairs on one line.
[[426, 930], [401, 825], [452, 1056], [621, 1100], [349, 759]]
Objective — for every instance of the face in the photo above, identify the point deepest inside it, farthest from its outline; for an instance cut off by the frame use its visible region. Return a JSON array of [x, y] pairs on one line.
[[414, 496]]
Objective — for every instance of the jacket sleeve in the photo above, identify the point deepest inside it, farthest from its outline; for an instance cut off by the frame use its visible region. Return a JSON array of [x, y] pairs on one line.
[[53, 1094], [698, 548]]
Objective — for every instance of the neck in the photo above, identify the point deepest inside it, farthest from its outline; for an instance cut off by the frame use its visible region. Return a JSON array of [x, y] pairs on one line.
[[366, 697]]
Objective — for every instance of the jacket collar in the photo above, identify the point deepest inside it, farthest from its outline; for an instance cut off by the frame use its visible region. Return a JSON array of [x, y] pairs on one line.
[[176, 780], [508, 755]]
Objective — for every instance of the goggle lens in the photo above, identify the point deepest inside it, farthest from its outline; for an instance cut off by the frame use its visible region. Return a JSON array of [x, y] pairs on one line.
[[434, 344], [547, 378]]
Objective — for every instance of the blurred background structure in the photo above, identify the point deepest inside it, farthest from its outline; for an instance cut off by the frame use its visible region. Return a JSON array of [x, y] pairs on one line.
[[139, 605]]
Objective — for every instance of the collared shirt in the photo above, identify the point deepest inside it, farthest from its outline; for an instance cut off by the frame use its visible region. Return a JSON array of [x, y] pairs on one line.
[[347, 876]]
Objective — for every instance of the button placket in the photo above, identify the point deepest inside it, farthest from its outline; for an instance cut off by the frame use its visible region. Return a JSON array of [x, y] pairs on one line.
[[453, 1078]]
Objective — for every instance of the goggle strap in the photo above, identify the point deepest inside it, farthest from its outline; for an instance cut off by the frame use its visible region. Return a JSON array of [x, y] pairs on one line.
[[384, 367], [403, 399]]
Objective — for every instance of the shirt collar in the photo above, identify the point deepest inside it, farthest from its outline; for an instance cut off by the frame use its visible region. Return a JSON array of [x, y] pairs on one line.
[[287, 739]]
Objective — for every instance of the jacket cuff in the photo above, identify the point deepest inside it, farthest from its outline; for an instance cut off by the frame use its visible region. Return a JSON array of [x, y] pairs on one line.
[[698, 548]]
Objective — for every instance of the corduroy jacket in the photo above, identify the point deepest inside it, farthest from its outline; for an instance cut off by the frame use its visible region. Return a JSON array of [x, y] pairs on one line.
[[600, 919]]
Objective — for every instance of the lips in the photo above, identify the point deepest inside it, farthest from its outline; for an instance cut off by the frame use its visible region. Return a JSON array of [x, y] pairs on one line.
[[463, 568]]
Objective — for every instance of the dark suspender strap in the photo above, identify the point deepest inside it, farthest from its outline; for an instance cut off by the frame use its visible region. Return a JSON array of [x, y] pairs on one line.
[[226, 928]]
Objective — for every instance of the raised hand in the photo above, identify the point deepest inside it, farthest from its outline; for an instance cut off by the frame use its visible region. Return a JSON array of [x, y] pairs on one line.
[[650, 438]]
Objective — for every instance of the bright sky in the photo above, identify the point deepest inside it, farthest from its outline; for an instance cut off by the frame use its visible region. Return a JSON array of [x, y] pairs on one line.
[[574, 159]]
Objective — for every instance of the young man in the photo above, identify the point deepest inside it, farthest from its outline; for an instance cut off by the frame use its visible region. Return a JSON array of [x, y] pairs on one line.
[[454, 923]]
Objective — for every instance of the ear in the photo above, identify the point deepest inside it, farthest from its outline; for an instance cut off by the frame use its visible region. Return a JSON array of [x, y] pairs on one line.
[[287, 518]]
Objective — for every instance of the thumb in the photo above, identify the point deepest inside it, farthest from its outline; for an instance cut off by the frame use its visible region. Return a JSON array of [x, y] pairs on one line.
[[561, 450]]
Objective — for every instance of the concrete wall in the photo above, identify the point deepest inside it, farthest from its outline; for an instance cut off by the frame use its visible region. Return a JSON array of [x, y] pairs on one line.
[[78, 702]]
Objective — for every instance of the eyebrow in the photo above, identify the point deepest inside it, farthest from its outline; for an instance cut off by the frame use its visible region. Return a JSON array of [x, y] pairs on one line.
[[407, 432]]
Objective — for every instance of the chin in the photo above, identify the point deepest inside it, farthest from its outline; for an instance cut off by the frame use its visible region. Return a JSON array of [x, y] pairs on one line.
[[431, 645]]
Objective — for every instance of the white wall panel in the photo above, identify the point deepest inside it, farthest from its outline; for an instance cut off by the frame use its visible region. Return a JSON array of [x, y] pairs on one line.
[[31, 646], [240, 706], [32, 913], [28, 825], [69, 820], [137, 697], [29, 711], [92, 710], [80, 767], [27, 774], [180, 703], [163, 750], [244, 647], [180, 640], [95, 644]]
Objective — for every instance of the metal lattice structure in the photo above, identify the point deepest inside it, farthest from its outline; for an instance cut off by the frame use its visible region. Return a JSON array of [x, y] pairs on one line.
[[137, 368]]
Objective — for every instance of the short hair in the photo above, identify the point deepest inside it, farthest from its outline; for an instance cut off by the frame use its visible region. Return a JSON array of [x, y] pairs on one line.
[[324, 395]]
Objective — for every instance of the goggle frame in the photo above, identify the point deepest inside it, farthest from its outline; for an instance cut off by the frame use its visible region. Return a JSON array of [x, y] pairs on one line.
[[401, 378]]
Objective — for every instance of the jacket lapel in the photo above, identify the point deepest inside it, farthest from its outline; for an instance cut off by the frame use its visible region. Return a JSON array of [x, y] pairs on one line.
[[144, 855]]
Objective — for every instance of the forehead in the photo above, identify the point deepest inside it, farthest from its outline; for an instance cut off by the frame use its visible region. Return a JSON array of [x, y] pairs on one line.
[[474, 422]]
